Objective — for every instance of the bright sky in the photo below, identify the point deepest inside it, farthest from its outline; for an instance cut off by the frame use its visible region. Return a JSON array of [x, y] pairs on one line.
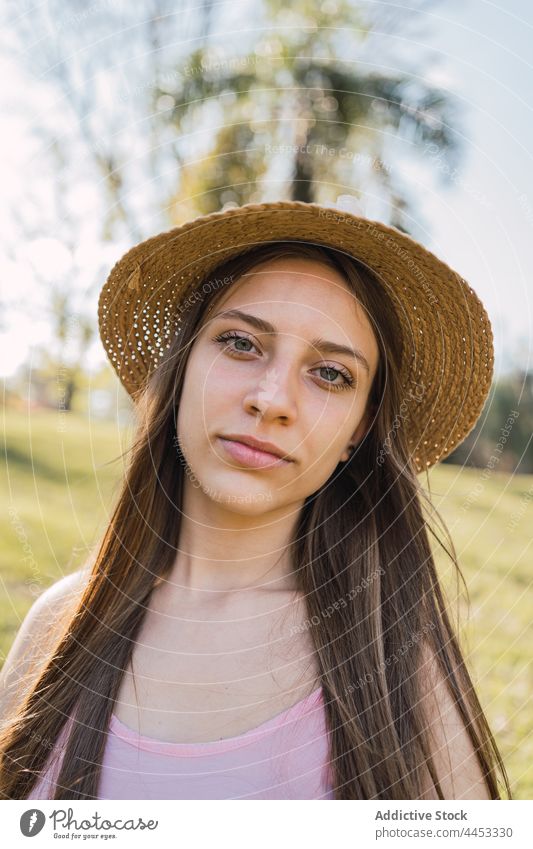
[[482, 225]]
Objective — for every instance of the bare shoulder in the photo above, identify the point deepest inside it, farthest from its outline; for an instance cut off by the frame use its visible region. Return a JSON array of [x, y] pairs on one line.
[[453, 753], [48, 609], [37, 635], [64, 592]]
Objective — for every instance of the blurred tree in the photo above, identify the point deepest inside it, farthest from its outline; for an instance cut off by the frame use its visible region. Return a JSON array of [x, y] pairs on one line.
[[293, 114], [64, 305], [503, 436], [78, 192]]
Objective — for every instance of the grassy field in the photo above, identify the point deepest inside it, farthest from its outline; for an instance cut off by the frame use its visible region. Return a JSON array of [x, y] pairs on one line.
[[57, 491]]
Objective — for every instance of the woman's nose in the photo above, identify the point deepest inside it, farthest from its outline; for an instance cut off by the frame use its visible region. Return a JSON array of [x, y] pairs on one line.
[[273, 396]]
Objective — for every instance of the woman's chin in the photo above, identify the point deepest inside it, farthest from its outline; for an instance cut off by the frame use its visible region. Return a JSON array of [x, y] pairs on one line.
[[237, 496], [249, 505]]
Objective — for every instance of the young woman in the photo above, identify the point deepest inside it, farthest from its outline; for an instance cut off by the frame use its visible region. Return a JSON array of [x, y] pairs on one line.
[[263, 616]]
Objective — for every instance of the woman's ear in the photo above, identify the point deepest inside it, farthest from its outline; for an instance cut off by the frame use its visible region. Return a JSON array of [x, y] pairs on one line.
[[363, 427], [359, 433]]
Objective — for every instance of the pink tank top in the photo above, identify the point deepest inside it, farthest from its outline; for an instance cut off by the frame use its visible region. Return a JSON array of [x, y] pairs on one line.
[[286, 757]]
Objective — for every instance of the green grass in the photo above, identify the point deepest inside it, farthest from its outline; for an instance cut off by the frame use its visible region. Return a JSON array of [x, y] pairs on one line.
[[57, 494], [490, 517]]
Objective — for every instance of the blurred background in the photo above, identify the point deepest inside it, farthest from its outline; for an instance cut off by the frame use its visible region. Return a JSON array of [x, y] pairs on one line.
[[122, 120]]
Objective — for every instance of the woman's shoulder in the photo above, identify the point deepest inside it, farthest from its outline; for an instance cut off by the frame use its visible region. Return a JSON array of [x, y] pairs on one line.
[[65, 590], [39, 631], [47, 611]]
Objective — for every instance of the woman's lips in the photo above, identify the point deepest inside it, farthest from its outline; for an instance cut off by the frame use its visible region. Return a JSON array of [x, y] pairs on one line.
[[251, 457]]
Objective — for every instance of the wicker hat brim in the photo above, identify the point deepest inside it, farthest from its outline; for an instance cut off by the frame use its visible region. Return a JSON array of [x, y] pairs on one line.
[[447, 338]]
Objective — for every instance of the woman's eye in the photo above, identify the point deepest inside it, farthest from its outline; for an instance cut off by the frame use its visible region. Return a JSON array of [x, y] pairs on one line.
[[230, 336], [347, 379], [227, 337]]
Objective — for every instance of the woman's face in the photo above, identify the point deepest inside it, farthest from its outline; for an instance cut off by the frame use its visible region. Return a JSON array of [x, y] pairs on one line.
[[273, 385]]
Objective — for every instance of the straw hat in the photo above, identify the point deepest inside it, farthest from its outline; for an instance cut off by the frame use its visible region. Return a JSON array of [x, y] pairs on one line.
[[448, 357]]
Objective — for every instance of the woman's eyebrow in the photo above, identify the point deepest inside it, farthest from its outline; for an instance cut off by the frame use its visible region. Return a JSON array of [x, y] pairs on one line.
[[318, 343]]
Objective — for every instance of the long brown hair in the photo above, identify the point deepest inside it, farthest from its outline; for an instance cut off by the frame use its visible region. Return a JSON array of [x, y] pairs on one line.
[[362, 562]]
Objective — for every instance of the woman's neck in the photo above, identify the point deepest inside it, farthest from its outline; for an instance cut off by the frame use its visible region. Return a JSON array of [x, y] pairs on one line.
[[224, 550]]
